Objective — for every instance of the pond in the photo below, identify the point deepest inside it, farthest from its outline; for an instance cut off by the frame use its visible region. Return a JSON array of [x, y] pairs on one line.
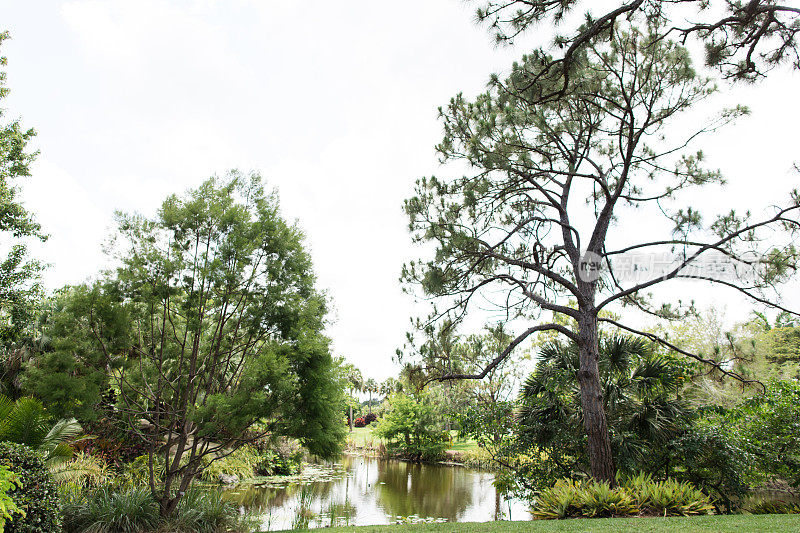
[[370, 491]]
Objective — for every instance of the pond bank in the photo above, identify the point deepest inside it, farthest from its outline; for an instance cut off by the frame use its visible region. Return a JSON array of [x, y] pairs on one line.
[[361, 442], [721, 523]]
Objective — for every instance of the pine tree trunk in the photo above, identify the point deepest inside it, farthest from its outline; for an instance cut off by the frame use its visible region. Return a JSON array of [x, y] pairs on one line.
[[601, 461]]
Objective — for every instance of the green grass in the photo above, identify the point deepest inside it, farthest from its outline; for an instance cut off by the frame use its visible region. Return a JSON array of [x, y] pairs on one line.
[[463, 446], [724, 523], [361, 436]]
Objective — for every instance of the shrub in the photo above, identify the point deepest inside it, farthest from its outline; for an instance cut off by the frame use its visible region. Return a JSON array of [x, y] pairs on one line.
[[248, 461], [590, 499], [135, 511], [241, 463], [8, 481], [412, 428], [38, 496], [106, 511], [559, 501], [205, 511], [667, 498], [277, 463], [370, 418], [360, 422], [638, 495], [137, 472], [600, 500]]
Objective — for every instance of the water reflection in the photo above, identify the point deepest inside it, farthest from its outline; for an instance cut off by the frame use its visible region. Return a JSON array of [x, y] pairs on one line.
[[365, 491]]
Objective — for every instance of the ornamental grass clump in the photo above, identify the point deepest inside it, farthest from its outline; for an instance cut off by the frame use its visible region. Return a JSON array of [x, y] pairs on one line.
[[134, 510]]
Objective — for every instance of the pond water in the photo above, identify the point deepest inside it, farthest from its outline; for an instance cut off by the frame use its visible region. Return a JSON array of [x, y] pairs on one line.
[[370, 491]]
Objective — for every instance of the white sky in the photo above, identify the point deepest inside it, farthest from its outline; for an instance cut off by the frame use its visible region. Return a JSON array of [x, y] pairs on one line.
[[333, 102]]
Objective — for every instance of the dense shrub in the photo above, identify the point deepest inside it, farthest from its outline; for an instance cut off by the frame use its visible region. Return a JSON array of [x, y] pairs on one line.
[[112, 442], [249, 461], [412, 428], [106, 511], [38, 496], [767, 426], [135, 511], [9, 481], [638, 495], [239, 464], [363, 421], [567, 499], [277, 463], [666, 498]]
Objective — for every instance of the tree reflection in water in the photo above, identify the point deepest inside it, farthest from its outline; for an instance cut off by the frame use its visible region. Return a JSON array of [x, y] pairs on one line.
[[368, 491]]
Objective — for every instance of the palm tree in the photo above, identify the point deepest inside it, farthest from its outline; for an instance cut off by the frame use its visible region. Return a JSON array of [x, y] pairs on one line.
[[25, 421], [370, 386], [356, 381], [640, 391], [390, 386]]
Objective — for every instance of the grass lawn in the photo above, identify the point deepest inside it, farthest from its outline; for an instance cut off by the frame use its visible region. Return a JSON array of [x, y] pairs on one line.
[[360, 436], [725, 523]]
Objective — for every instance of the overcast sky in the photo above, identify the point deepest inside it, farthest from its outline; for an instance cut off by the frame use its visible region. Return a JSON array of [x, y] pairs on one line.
[[333, 102]]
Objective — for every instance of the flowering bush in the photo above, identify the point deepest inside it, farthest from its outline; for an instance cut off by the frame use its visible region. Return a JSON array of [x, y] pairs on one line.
[[363, 421]]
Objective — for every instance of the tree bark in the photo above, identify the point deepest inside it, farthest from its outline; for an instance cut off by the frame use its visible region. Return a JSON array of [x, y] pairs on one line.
[[601, 461]]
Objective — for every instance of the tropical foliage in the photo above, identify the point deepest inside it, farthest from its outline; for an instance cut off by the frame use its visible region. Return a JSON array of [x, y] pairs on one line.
[[636, 496], [26, 421], [9, 481], [37, 496]]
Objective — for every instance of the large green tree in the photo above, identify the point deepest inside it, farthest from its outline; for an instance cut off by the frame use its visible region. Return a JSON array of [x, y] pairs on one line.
[[19, 288], [555, 191], [743, 40], [213, 327]]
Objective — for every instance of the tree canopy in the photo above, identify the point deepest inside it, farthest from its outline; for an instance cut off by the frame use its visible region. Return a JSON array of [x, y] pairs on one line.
[[535, 226], [212, 330]]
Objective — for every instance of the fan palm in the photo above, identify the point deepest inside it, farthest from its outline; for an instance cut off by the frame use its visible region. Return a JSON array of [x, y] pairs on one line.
[[640, 392], [25, 421], [370, 386]]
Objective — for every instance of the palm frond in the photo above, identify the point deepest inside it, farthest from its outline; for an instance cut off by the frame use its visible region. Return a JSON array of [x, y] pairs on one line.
[[27, 423], [84, 469], [6, 406], [64, 430]]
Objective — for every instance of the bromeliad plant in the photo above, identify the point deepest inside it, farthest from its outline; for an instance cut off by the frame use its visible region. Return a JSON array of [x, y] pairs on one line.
[[639, 495]]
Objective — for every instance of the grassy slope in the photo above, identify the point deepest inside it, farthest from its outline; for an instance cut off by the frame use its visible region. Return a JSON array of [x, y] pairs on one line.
[[728, 523]]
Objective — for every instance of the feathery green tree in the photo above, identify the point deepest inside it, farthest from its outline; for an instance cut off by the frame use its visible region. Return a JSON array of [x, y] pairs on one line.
[[19, 274], [213, 326]]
